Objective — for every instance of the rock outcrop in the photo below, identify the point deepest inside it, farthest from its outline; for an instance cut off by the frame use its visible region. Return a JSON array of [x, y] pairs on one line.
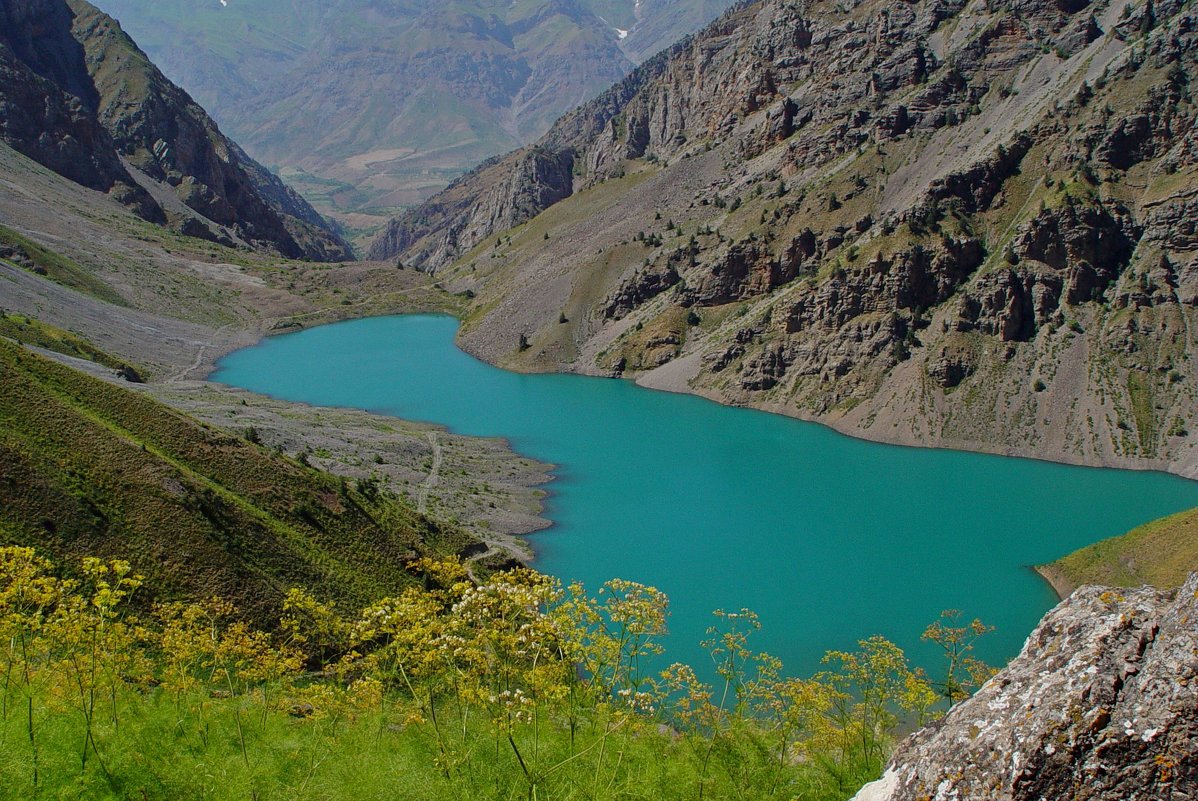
[[78, 96], [1101, 705], [47, 107]]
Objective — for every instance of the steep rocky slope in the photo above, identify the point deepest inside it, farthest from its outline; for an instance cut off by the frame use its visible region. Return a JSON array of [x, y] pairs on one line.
[[80, 98], [48, 106], [368, 106], [1101, 705], [963, 223]]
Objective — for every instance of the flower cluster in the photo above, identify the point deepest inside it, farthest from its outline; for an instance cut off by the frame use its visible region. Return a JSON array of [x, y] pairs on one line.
[[516, 657]]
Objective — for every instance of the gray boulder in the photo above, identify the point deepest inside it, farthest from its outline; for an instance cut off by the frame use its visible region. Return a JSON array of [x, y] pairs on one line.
[[1101, 705]]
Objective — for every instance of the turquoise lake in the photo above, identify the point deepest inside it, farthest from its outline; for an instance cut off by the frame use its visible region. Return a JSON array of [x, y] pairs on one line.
[[828, 538]]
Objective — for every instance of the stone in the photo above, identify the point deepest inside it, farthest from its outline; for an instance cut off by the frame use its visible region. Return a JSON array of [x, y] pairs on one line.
[[1101, 705]]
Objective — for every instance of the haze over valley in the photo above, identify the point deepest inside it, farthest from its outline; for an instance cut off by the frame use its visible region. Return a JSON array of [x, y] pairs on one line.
[[367, 107]]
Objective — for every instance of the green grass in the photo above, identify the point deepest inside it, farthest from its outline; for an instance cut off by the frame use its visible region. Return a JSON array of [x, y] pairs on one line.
[[59, 268], [91, 467], [1139, 391], [31, 331], [159, 753], [1161, 553]]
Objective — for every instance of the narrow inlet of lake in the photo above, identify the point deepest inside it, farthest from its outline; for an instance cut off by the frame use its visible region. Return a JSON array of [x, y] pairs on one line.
[[828, 538]]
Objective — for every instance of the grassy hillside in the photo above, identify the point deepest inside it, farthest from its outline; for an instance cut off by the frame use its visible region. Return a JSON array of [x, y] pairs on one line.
[[26, 253], [91, 468], [1161, 553], [31, 331]]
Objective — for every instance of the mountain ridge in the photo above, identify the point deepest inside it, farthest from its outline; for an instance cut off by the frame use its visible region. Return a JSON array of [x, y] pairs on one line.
[[941, 224], [369, 106]]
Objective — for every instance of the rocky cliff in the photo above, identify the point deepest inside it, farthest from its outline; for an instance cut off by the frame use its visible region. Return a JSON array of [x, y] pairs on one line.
[[1101, 705], [47, 105], [948, 222], [81, 99]]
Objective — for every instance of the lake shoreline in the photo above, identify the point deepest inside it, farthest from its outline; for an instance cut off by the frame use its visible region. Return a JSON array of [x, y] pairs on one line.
[[1056, 578], [766, 508], [280, 327]]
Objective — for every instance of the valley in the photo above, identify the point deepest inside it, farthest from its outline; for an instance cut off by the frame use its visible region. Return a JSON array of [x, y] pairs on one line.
[[463, 82], [962, 225]]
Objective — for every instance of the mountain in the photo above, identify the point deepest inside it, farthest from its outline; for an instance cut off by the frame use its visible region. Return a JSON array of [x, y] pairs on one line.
[[81, 99], [375, 104], [946, 222]]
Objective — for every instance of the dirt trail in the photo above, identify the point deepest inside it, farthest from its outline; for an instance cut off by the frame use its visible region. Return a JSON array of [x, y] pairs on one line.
[[183, 374], [434, 474]]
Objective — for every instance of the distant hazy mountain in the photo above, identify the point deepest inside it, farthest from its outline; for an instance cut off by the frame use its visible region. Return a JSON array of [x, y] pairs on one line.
[[382, 102], [79, 97]]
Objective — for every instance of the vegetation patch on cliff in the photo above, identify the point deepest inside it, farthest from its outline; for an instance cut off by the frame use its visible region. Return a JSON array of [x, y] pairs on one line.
[[1161, 553]]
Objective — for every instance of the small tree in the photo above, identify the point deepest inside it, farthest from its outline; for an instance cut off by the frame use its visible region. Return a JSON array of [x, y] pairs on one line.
[[963, 672]]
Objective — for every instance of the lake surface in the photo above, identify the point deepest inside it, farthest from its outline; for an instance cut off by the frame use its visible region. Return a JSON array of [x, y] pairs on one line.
[[828, 538]]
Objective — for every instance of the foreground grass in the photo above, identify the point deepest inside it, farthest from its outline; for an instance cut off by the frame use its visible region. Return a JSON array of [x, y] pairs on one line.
[[518, 688], [162, 750], [1161, 553]]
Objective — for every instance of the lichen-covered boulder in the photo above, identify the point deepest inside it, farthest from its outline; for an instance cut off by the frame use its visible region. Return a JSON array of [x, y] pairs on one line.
[[1101, 705]]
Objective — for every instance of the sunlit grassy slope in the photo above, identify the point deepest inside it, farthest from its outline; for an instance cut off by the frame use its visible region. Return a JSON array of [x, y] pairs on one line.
[[1161, 553], [88, 467]]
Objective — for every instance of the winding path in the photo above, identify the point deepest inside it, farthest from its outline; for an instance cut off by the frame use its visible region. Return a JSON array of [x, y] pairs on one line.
[[434, 474], [434, 478], [199, 359]]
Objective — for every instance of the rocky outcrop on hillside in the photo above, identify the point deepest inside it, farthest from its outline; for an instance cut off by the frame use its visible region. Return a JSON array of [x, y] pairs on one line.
[[81, 99], [1101, 705], [46, 108], [952, 222]]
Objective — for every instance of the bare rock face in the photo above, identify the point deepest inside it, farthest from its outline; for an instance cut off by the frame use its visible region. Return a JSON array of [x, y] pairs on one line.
[[1089, 243], [1101, 705], [47, 107], [641, 285]]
